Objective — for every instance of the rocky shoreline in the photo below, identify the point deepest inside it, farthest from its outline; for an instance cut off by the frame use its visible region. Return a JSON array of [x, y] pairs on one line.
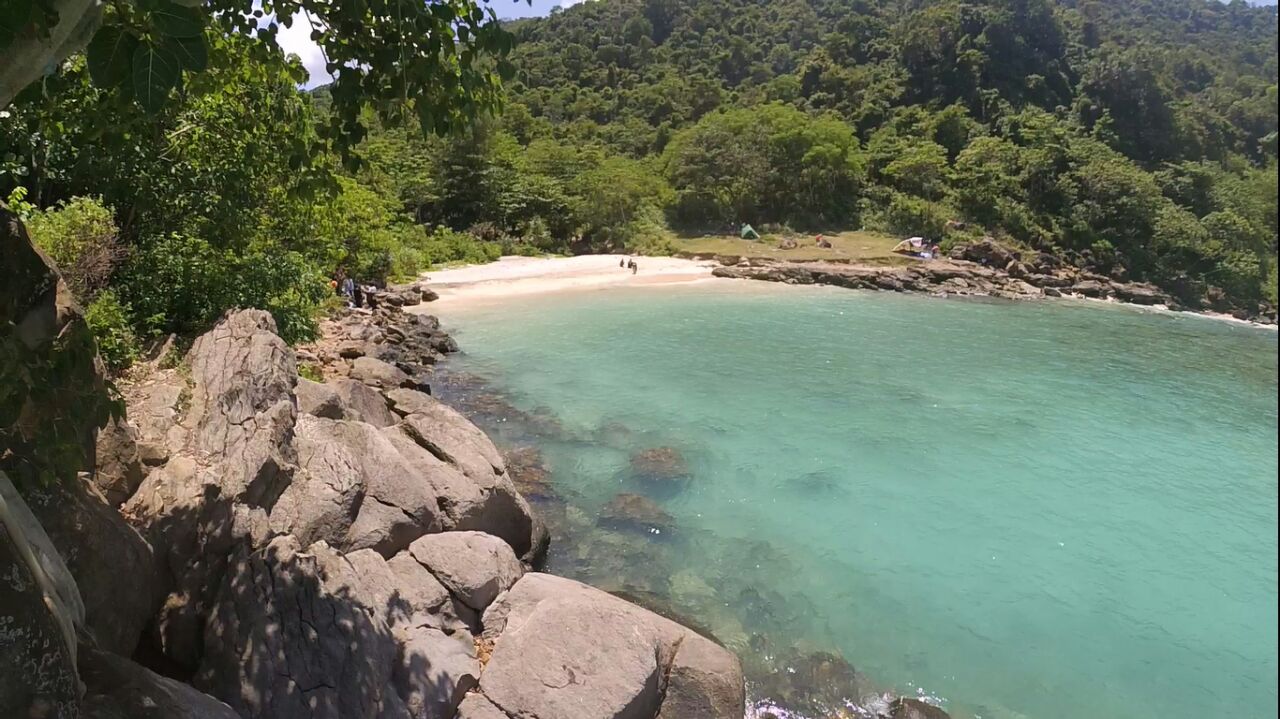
[[983, 269], [247, 543]]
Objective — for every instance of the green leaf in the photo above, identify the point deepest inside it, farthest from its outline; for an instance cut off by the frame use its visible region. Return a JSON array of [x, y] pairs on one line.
[[155, 71], [177, 21], [111, 56], [192, 52]]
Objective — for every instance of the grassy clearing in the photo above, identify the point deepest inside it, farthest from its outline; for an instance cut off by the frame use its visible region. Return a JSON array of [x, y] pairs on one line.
[[872, 248]]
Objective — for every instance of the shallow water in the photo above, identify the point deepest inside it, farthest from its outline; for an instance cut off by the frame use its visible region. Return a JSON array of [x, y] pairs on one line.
[[1023, 509]]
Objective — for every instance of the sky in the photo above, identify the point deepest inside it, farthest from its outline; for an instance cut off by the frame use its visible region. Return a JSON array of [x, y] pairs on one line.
[[297, 39]]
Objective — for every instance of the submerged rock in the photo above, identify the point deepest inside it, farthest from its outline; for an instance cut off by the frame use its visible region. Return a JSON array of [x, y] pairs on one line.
[[664, 465], [632, 511], [907, 708]]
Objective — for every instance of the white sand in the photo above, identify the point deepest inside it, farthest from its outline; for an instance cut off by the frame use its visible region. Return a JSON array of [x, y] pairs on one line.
[[513, 276]]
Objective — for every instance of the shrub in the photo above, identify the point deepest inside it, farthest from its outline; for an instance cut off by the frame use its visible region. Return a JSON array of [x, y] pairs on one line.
[[81, 238], [112, 329], [182, 284]]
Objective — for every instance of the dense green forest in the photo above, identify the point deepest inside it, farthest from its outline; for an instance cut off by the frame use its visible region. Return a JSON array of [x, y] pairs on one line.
[[1135, 138]]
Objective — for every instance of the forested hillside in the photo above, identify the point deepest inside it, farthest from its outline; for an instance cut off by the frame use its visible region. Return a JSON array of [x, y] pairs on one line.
[[1134, 138]]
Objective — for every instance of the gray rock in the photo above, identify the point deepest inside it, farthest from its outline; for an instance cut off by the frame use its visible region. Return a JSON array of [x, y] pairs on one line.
[[319, 399], [362, 403], [477, 706], [119, 466], [1090, 288], [242, 405], [474, 567], [39, 609], [285, 643], [116, 688], [356, 491], [434, 671], [481, 502], [113, 565], [447, 433], [377, 373], [564, 649], [700, 682]]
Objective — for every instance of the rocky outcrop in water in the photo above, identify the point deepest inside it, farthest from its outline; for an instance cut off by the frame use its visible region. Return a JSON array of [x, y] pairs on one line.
[[983, 268]]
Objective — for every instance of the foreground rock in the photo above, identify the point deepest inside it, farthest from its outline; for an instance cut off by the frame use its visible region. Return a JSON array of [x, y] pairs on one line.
[[563, 649], [39, 611], [116, 688]]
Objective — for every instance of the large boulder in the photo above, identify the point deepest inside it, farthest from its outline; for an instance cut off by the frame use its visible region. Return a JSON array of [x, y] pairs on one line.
[[480, 502], [242, 405], [362, 403], [39, 610], [119, 464], [285, 643], [113, 566], [230, 456], [355, 491], [116, 688], [376, 373], [436, 660], [319, 399], [563, 649], [475, 567], [448, 434]]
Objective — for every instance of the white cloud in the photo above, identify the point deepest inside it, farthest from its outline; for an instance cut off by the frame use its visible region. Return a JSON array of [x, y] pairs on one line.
[[297, 40]]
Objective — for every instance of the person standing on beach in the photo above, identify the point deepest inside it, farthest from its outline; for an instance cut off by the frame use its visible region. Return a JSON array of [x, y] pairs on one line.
[[634, 267], [622, 262]]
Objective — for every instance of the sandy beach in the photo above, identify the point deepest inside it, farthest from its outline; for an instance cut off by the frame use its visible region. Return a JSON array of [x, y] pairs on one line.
[[514, 276]]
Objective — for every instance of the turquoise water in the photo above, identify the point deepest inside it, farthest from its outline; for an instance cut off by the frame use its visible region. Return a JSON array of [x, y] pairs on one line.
[[1022, 509]]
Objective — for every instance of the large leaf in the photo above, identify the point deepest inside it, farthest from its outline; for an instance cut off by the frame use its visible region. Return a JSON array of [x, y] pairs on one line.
[[177, 21], [155, 71], [110, 56], [192, 52]]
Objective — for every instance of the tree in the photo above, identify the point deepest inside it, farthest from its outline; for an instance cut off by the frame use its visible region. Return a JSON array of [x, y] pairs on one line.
[[382, 55]]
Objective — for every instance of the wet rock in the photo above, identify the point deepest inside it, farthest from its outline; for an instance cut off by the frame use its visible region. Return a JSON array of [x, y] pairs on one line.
[[530, 475], [632, 511], [1091, 288], [474, 567], [907, 708], [660, 464], [1139, 293], [116, 688]]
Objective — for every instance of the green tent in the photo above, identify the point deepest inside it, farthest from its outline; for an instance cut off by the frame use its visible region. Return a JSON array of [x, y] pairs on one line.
[[749, 233]]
